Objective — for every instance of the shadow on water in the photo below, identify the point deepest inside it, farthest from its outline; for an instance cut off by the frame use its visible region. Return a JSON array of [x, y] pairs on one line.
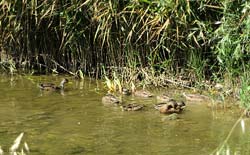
[[76, 122]]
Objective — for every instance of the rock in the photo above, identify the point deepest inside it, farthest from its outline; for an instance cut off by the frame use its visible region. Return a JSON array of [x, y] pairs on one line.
[[173, 116]]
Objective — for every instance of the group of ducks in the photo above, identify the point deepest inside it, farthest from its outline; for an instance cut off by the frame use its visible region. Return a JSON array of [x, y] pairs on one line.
[[165, 104]]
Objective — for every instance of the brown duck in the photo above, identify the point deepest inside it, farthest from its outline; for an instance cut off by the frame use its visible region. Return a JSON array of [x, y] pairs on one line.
[[109, 99], [132, 107], [195, 97], [140, 93], [163, 98], [170, 107], [52, 86]]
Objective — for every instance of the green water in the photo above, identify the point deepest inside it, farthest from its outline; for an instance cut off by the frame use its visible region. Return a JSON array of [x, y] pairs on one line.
[[76, 122]]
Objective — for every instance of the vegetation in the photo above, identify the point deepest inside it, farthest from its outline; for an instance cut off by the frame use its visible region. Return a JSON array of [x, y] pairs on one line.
[[154, 41]]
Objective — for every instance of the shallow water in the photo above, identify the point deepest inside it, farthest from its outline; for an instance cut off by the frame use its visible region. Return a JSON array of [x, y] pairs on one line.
[[76, 122]]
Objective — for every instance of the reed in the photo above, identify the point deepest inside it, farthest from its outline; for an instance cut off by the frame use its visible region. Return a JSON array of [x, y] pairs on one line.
[[146, 40], [244, 92], [18, 148]]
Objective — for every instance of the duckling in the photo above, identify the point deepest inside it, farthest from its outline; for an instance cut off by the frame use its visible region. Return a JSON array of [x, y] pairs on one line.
[[170, 107], [143, 93], [163, 98], [132, 107], [52, 86], [195, 97], [166, 107], [110, 99], [140, 93]]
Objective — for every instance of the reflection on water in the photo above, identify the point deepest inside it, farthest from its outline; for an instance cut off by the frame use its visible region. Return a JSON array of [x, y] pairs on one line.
[[78, 123]]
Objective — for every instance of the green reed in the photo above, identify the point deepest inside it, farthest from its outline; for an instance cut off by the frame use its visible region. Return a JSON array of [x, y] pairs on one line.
[[232, 48], [244, 92], [145, 40]]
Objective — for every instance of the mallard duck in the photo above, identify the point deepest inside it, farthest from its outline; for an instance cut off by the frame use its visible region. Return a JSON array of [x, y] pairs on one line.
[[52, 86], [170, 107], [195, 97], [180, 105], [163, 98], [140, 93], [132, 107], [110, 99]]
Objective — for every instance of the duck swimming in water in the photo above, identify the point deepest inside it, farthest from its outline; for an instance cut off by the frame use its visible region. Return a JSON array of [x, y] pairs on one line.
[[195, 97], [140, 93], [110, 99], [132, 107], [170, 107], [163, 98], [52, 86]]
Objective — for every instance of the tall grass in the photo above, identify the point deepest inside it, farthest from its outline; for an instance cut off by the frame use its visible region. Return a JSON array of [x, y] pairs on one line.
[[232, 48], [140, 39], [245, 92], [87, 35]]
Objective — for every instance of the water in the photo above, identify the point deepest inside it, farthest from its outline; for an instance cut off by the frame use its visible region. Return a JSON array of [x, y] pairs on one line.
[[76, 122]]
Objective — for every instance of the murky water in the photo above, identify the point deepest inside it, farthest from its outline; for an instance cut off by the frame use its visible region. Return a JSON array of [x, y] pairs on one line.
[[76, 122]]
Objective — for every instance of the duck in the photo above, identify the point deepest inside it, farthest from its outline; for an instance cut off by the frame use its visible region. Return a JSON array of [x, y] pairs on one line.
[[163, 98], [132, 107], [195, 97], [143, 93], [52, 86], [170, 107], [140, 93], [180, 105], [110, 99]]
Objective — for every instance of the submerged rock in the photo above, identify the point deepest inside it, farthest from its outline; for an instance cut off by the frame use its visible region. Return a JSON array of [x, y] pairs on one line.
[[173, 116], [76, 150]]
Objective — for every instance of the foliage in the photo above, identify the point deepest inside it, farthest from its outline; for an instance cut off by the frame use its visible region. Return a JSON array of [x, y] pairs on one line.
[[232, 48], [87, 35], [195, 39], [245, 92]]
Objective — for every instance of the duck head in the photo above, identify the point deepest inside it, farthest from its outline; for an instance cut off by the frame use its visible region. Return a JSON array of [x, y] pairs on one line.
[[63, 82]]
